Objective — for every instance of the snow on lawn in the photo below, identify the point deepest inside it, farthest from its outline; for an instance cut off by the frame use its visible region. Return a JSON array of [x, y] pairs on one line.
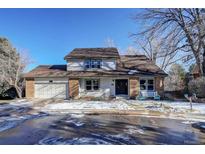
[[79, 105], [183, 106], [186, 105], [174, 106], [161, 106]]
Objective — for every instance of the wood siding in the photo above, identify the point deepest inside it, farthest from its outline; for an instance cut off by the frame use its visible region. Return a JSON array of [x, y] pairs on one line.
[[106, 89], [75, 65], [109, 64]]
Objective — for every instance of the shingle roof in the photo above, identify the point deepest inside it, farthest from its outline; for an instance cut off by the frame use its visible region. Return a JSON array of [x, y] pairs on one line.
[[127, 66], [93, 53], [140, 63], [48, 71]]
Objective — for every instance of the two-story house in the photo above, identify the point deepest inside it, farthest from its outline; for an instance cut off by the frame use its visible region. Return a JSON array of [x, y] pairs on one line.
[[96, 72]]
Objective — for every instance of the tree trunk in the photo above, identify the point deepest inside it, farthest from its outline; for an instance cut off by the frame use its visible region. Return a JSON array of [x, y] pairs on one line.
[[203, 64], [199, 63], [200, 68], [154, 57], [19, 92]]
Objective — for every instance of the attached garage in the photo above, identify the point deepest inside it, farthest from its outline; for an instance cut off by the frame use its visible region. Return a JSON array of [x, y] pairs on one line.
[[51, 88]]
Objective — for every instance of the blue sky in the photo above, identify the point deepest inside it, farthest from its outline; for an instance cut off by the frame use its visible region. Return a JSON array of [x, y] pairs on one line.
[[49, 34]]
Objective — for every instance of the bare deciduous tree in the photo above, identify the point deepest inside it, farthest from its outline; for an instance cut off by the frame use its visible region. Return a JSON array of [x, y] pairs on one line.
[[13, 64], [175, 80], [131, 51], [162, 52], [109, 42], [185, 26]]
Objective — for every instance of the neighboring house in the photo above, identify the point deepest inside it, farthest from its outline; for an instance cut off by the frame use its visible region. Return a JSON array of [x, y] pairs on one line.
[[96, 72]]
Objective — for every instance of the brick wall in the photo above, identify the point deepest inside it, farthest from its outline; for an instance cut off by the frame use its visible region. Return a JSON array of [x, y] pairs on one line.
[[73, 88], [134, 86], [29, 88], [159, 85]]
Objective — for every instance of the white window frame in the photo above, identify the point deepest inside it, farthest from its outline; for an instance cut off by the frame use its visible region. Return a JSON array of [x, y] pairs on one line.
[[150, 84], [146, 84], [93, 63], [87, 63], [92, 84]]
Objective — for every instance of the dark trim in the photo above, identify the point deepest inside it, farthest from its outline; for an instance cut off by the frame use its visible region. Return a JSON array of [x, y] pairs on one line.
[[121, 88]]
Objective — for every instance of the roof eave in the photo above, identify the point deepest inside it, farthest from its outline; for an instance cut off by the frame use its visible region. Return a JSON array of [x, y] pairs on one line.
[[84, 57]]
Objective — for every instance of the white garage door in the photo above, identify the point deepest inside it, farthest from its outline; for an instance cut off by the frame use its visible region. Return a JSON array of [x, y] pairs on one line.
[[51, 90]]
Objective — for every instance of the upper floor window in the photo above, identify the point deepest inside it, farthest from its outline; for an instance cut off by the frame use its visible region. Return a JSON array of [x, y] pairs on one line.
[[87, 63], [93, 63]]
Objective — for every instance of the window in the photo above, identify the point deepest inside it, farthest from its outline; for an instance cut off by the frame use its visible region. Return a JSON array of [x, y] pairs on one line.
[[142, 84], [92, 84], [94, 63], [87, 64], [147, 84], [95, 84], [150, 85], [88, 84]]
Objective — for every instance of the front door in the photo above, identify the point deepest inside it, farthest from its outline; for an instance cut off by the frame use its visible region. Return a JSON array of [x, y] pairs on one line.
[[121, 87]]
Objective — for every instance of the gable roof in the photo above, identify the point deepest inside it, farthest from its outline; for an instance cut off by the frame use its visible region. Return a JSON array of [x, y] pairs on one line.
[[48, 71], [140, 63], [127, 66], [93, 53]]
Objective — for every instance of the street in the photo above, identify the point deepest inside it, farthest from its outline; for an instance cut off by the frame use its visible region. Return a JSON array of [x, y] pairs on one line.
[[20, 124]]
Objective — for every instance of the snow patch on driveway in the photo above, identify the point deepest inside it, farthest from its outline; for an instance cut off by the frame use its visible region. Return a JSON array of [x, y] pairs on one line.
[[133, 130], [72, 141], [21, 102]]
